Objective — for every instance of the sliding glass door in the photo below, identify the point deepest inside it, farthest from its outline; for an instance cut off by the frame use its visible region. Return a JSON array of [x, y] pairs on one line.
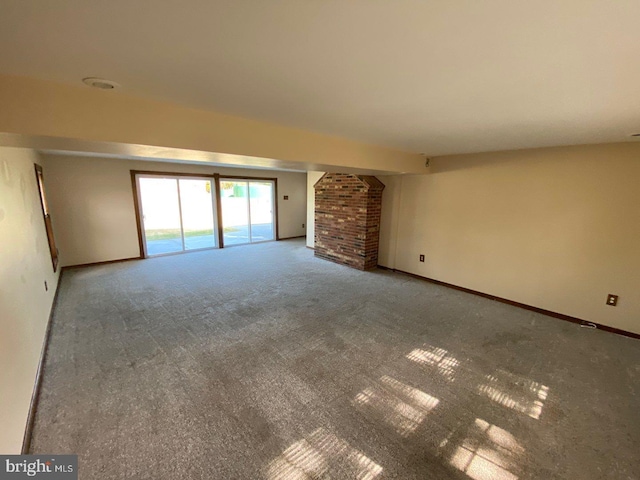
[[177, 213], [261, 211], [196, 202], [181, 213], [160, 204], [247, 211]]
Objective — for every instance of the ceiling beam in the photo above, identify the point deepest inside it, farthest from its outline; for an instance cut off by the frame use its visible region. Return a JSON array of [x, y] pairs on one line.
[[53, 116]]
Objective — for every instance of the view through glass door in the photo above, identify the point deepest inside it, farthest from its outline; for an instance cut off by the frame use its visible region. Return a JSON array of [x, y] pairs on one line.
[[247, 211], [177, 213]]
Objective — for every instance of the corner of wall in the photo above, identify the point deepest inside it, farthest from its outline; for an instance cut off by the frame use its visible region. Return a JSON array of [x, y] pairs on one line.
[[312, 178]]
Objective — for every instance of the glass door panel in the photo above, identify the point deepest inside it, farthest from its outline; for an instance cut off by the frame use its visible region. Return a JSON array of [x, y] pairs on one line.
[[161, 215], [234, 201], [196, 201], [261, 211], [179, 213]]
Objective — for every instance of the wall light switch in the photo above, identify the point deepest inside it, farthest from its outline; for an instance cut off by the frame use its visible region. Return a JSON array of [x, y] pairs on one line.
[[286, 197], [422, 258], [612, 300]]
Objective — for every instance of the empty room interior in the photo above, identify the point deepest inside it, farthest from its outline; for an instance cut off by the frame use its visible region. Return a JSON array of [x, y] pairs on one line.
[[321, 240]]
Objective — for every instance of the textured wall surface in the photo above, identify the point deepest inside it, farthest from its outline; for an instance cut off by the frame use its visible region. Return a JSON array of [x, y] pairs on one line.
[[25, 266]]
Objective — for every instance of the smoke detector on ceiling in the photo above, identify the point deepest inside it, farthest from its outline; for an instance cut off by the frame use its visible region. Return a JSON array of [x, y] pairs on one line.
[[100, 83]]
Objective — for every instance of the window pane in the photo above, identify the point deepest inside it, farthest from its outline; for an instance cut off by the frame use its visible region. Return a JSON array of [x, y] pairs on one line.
[[235, 212], [261, 194], [197, 214], [161, 215]]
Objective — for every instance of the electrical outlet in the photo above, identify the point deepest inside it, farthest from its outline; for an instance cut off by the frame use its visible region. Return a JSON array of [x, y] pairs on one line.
[[303, 225], [422, 258], [286, 197], [612, 300]]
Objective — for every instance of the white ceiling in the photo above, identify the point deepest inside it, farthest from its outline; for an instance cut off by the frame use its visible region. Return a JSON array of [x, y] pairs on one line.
[[432, 76]]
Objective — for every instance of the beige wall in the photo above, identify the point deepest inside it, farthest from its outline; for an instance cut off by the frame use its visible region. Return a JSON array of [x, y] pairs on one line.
[[389, 219], [39, 108], [25, 264], [554, 228], [312, 178], [94, 203]]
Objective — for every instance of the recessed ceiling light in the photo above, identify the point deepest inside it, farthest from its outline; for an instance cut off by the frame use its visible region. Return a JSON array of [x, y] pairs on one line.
[[100, 83]]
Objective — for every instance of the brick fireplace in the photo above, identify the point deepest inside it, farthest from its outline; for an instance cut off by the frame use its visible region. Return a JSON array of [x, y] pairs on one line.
[[347, 219]]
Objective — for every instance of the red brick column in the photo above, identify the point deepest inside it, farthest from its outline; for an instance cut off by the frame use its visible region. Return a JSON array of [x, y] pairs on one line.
[[347, 219]]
